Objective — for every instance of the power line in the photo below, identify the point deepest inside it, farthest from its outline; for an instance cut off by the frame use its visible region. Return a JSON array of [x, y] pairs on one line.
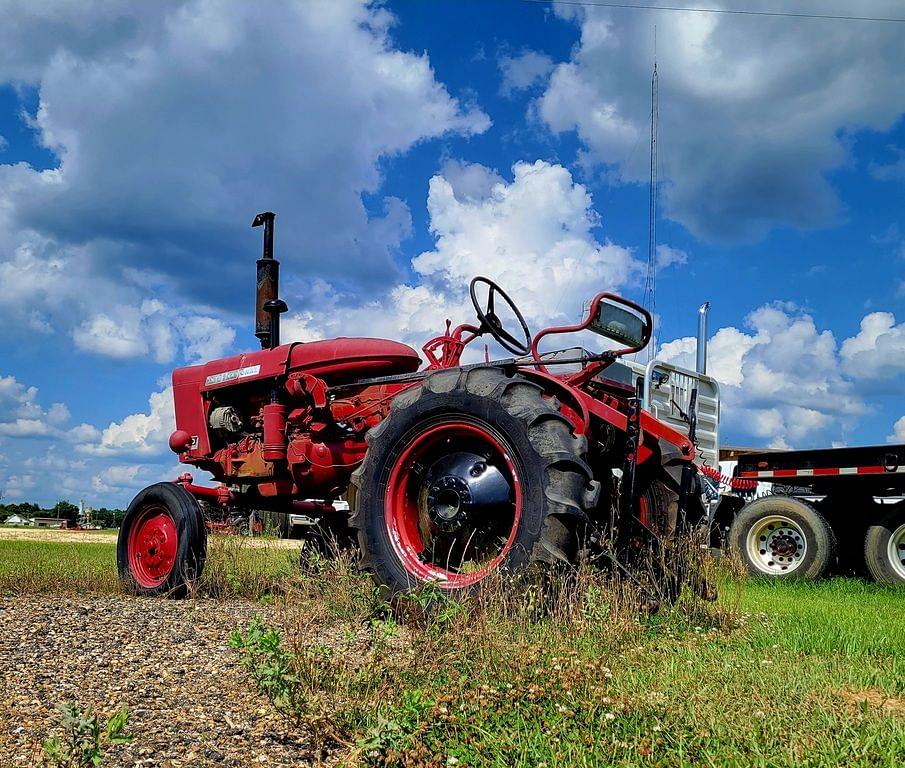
[[730, 11]]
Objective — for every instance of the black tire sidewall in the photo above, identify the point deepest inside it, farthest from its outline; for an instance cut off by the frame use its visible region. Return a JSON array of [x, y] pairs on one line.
[[819, 537], [876, 544], [429, 410], [191, 550]]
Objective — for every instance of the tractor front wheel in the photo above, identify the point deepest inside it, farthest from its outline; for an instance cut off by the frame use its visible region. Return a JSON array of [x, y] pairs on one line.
[[162, 541], [472, 472]]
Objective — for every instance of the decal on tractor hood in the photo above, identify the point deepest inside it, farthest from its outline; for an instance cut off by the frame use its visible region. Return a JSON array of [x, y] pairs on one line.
[[238, 373]]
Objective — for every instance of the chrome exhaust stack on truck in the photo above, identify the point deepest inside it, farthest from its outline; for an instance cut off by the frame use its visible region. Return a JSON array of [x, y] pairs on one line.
[[701, 362]]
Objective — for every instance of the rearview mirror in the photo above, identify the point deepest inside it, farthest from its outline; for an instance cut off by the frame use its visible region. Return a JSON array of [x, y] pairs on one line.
[[620, 324]]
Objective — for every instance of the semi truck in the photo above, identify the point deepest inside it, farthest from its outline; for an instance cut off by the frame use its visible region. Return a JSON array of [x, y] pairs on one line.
[[831, 509]]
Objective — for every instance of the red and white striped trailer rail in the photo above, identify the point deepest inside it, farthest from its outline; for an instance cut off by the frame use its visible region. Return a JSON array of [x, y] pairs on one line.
[[884, 465], [832, 508]]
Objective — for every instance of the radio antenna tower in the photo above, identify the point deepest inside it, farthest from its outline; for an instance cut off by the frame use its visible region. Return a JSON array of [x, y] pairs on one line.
[[650, 282]]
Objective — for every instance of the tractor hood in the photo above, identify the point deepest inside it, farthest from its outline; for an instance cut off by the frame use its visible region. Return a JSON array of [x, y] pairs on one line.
[[333, 360]]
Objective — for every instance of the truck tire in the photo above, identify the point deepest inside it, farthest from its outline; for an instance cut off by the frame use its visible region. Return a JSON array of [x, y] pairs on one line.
[[162, 542], [884, 547], [784, 538], [472, 472]]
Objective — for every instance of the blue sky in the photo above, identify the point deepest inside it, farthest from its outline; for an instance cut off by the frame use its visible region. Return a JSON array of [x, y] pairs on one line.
[[409, 145]]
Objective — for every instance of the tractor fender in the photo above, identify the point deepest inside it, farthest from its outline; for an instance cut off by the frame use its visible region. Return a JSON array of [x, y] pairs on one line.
[[572, 405]]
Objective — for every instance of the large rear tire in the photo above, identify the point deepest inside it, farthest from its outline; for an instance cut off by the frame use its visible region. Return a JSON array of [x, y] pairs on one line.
[[884, 547], [162, 542], [784, 538], [472, 472]]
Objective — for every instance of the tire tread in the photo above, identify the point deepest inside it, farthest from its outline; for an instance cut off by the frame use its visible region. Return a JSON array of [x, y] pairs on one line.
[[570, 490]]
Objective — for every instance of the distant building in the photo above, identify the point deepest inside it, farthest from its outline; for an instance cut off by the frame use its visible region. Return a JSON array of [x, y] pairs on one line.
[[51, 522], [17, 520]]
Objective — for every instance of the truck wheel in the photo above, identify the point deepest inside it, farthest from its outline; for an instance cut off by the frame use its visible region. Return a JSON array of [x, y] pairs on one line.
[[471, 472], [783, 537], [162, 541], [884, 547]]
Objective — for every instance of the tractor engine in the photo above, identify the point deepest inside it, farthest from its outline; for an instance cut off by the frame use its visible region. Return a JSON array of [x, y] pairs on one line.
[[263, 423]]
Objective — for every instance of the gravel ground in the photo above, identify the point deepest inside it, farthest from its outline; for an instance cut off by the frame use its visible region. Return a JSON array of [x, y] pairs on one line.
[[168, 662]]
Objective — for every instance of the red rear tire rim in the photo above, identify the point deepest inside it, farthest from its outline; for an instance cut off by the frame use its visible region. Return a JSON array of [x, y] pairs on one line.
[[643, 512], [153, 544], [413, 535]]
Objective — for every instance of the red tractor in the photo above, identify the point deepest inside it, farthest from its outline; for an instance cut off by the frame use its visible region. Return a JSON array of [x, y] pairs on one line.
[[450, 471]]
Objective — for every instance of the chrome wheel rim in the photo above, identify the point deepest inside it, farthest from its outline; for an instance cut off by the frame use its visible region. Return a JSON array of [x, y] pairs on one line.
[[895, 551], [776, 545]]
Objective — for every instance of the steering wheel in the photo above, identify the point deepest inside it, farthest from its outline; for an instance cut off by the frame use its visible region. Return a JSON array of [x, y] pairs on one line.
[[493, 325]]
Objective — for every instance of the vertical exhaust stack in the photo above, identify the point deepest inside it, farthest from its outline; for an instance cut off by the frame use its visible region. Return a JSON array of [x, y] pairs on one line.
[[701, 364], [268, 305], [268, 308]]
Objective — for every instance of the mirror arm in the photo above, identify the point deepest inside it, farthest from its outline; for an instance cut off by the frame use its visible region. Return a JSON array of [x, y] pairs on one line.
[[598, 363]]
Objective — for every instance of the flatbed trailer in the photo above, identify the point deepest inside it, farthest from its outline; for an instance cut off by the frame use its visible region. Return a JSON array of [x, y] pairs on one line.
[[787, 514], [832, 508]]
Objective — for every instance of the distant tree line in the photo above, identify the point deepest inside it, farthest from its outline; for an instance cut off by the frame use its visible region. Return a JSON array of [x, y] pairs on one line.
[[64, 510]]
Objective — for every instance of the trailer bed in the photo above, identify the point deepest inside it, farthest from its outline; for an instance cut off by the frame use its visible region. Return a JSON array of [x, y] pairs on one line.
[[880, 466]]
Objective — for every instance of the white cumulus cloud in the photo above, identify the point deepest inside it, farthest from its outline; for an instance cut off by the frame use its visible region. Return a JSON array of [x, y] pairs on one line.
[[898, 432], [754, 113], [782, 381], [173, 123], [21, 415], [878, 350], [523, 70], [156, 329], [139, 433], [536, 235]]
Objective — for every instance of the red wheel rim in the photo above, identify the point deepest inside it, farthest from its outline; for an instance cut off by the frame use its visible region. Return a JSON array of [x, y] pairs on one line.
[[410, 528], [153, 542], [643, 512]]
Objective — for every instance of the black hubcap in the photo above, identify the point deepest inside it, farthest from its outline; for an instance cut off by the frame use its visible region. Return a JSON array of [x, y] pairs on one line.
[[463, 488]]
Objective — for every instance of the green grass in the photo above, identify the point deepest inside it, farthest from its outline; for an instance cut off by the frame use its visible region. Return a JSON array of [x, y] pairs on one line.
[[233, 567], [774, 675], [790, 674], [35, 566], [847, 616]]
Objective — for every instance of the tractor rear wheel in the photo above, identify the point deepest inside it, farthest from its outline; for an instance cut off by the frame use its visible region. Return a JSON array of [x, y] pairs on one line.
[[162, 541], [472, 472]]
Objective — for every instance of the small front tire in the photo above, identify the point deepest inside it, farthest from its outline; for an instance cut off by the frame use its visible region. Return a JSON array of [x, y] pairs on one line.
[[162, 542]]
